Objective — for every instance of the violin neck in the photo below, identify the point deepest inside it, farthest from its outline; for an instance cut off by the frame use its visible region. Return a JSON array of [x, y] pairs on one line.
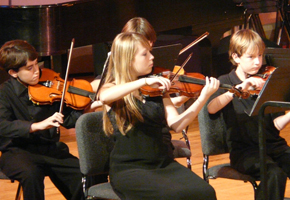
[[82, 92], [186, 79]]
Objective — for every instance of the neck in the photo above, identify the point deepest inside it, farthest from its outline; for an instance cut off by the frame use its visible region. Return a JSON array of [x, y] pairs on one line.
[[241, 74], [20, 81]]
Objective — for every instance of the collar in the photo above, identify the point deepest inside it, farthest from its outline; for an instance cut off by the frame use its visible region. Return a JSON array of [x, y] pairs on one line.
[[235, 80], [18, 87]]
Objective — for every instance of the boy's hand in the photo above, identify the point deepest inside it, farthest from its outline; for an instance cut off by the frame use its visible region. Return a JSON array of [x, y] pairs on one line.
[[53, 121], [252, 83]]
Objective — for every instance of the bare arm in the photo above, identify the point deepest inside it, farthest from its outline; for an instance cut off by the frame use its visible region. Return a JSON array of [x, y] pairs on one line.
[[111, 92], [219, 102], [95, 84], [281, 121], [180, 121]]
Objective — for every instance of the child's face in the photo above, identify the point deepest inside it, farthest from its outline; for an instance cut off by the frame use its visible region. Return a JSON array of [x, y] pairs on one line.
[[248, 62], [143, 61], [29, 74]]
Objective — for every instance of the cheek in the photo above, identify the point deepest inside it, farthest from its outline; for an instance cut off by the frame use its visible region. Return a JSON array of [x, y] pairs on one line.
[[28, 78]]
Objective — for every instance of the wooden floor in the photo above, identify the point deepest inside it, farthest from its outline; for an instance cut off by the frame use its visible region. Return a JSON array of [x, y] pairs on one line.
[[225, 189]]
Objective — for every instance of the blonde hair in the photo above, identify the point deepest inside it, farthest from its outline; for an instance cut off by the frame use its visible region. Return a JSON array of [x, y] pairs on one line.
[[142, 26], [243, 40], [120, 71]]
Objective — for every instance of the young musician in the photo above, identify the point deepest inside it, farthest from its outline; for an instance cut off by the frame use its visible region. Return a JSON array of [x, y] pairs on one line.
[[29, 141], [140, 166], [142, 26], [246, 52], [138, 25]]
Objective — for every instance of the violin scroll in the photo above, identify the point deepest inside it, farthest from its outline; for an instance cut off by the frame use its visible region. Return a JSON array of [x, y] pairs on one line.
[[242, 94]]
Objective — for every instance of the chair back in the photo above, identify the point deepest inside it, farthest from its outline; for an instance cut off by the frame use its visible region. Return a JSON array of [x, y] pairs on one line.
[[94, 146], [212, 132]]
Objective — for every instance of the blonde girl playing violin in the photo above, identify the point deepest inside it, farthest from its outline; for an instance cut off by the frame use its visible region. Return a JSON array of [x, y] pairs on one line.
[[140, 167], [246, 53]]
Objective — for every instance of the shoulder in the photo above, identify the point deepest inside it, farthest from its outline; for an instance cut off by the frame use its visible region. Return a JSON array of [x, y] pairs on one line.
[[6, 86], [230, 78]]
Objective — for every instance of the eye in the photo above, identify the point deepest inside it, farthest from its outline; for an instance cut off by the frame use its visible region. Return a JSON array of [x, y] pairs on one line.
[[29, 68]]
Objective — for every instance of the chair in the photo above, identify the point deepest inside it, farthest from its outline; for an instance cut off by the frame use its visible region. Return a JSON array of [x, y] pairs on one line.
[[182, 149], [18, 192], [94, 148], [213, 142]]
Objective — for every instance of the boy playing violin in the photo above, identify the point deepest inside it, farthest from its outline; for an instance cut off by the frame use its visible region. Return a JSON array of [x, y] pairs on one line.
[[246, 53], [29, 140]]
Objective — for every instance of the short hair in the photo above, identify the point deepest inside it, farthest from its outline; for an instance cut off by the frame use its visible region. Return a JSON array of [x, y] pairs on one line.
[[142, 26], [243, 40], [15, 54]]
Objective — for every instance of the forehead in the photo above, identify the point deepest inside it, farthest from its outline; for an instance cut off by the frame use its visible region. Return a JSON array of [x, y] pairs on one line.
[[29, 63], [141, 48], [253, 50]]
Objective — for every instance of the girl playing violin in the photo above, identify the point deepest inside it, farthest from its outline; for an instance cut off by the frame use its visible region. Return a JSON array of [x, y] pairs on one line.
[[142, 26], [246, 53], [140, 167], [29, 141]]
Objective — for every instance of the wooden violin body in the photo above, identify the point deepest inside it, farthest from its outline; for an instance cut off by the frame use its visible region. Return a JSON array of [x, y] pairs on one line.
[[183, 89], [263, 73], [50, 88], [189, 84]]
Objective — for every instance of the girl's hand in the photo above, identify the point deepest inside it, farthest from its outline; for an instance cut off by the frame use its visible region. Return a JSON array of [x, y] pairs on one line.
[[158, 82], [211, 86]]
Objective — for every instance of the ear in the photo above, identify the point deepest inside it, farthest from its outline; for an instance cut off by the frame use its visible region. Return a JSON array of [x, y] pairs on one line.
[[12, 73], [236, 58]]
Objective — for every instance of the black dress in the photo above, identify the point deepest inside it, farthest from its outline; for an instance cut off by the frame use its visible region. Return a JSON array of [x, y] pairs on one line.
[[141, 167]]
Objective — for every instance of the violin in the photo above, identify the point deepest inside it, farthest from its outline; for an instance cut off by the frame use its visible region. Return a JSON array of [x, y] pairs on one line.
[[79, 93], [264, 74], [189, 84]]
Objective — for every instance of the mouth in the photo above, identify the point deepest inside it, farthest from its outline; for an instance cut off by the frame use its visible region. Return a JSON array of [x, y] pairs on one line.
[[36, 78]]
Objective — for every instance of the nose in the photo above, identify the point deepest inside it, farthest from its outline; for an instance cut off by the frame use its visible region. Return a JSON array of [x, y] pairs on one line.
[[258, 60], [151, 56], [36, 68]]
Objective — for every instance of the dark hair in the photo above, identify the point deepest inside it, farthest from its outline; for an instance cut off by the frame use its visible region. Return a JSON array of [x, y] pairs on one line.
[[15, 54], [142, 26]]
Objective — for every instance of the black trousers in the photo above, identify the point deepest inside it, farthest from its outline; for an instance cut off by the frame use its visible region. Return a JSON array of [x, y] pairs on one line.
[[30, 165], [278, 169]]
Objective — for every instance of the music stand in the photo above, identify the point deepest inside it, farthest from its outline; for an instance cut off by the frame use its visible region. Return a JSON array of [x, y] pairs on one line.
[[276, 88]]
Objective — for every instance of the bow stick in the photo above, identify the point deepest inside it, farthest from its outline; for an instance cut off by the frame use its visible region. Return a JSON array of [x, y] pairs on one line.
[[194, 42], [181, 67], [66, 76]]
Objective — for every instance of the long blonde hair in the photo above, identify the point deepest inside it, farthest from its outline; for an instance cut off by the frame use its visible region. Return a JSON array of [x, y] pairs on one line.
[[120, 71]]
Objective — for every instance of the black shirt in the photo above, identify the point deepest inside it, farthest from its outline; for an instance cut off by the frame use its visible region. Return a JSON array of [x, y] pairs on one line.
[[17, 113], [242, 129]]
